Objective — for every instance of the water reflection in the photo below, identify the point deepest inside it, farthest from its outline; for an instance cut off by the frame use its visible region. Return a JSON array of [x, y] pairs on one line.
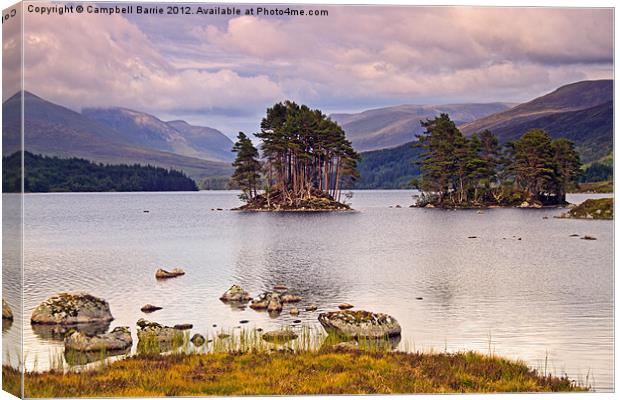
[[57, 332], [80, 358]]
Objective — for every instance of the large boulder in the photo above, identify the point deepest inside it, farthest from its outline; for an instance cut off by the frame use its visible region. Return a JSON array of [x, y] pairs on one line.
[[118, 339], [152, 331], [6, 311], [71, 309], [236, 294], [360, 324], [163, 274]]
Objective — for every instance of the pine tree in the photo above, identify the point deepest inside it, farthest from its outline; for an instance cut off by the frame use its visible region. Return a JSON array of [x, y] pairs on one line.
[[567, 166], [247, 167]]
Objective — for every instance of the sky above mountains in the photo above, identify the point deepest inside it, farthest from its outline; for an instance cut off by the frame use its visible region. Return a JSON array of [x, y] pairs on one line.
[[224, 71]]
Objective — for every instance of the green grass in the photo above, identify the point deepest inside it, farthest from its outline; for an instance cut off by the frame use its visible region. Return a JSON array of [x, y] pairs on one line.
[[244, 364], [291, 373]]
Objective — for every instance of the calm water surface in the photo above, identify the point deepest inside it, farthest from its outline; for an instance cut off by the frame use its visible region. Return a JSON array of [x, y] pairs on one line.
[[546, 296]]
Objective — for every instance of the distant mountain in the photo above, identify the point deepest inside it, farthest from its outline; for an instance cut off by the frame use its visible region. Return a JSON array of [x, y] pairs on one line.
[[178, 137], [581, 112], [392, 126], [562, 113], [54, 130], [213, 143]]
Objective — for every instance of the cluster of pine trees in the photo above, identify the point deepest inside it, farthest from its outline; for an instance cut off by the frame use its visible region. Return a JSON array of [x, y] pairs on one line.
[[304, 153], [461, 171], [52, 174]]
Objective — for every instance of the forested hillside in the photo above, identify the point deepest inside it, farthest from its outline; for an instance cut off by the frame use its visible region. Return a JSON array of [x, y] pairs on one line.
[[53, 174]]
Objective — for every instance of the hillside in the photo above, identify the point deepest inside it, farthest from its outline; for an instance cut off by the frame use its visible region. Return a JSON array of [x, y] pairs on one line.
[[54, 130], [392, 126], [581, 111], [179, 137], [388, 168], [52, 174]]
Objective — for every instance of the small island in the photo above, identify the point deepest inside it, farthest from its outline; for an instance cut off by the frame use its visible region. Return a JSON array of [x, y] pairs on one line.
[[533, 171], [592, 209], [307, 162]]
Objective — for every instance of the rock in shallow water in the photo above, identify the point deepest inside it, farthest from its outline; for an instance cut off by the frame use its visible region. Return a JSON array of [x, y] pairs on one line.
[[149, 308], [360, 324], [236, 294], [72, 308], [269, 301], [163, 274], [345, 306], [198, 340], [148, 330], [6, 311], [118, 339]]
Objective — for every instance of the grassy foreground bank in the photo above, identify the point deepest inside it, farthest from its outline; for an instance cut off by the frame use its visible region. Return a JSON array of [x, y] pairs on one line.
[[293, 374]]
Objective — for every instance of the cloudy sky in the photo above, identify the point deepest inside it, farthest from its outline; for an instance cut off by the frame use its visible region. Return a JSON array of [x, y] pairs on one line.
[[223, 72]]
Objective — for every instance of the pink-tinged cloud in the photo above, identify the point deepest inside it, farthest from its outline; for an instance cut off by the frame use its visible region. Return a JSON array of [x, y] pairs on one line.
[[356, 57]]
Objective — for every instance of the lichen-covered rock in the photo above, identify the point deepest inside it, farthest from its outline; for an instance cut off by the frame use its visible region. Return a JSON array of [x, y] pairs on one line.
[[118, 339], [71, 309], [6, 311], [269, 301], [198, 340], [149, 331], [163, 274], [279, 336], [236, 294], [360, 324]]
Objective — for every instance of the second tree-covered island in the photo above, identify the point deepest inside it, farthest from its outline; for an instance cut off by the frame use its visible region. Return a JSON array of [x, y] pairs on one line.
[[307, 161]]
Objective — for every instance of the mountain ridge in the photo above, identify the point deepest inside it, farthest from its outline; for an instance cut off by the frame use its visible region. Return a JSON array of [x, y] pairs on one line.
[[55, 130], [386, 127]]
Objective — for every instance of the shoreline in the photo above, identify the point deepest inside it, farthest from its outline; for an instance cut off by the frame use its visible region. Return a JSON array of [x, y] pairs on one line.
[[283, 372]]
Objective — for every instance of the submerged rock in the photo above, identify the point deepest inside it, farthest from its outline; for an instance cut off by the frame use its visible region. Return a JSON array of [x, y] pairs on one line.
[[236, 294], [280, 287], [70, 309], [360, 324], [118, 339], [149, 308], [7, 313], [149, 331], [163, 274], [198, 340], [279, 336], [312, 307], [345, 306], [294, 311]]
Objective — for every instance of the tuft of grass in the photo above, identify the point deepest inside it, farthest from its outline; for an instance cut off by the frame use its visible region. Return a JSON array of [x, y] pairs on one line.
[[292, 373]]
